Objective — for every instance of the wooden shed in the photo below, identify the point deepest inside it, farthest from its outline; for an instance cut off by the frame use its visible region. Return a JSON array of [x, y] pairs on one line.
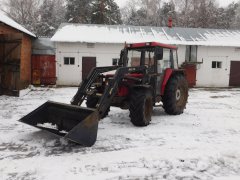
[[15, 56]]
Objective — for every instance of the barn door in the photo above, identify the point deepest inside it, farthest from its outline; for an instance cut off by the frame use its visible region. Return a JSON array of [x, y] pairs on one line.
[[87, 64], [235, 73]]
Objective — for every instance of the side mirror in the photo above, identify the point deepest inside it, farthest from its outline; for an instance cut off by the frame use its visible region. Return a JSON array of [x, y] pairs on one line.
[[120, 62], [159, 53], [123, 55]]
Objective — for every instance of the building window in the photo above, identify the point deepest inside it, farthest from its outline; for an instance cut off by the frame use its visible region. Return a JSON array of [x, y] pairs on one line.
[[216, 64], [69, 61], [191, 53], [115, 61]]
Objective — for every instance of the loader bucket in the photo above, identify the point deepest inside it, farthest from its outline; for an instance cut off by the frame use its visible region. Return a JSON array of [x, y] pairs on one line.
[[75, 123]]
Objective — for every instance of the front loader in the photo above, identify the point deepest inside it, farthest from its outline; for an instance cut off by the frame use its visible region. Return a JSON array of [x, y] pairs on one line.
[[146, 74]]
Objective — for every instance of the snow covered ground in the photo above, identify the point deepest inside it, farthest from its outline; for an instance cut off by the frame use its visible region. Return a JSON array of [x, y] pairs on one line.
[[203, 143]]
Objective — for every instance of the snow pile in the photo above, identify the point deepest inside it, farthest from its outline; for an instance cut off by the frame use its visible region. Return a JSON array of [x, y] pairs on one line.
[[203, 143], [48, 125]]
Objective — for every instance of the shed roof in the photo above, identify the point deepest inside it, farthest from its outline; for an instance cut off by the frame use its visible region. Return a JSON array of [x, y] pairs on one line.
[[10, 22], [131, 34], [43, 46]]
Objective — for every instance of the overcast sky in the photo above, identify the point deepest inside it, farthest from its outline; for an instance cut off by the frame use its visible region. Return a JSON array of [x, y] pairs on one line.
[[221, 2]]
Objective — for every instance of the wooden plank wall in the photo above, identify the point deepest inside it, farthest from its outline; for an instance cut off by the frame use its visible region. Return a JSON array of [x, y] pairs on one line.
[[25, 54]]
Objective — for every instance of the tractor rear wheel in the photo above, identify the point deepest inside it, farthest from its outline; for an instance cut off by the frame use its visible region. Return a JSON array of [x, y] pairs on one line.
[[176, 95], [92, 103], [141, 107]]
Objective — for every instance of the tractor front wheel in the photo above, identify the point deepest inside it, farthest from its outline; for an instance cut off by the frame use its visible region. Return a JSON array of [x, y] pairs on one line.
[[176, 95], [141, 107]]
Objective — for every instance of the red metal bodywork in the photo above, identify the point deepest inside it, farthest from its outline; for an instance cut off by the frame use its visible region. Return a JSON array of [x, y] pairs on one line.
[[167, 75], [123, 89], [150, 44], [191, 74], [43, 70]]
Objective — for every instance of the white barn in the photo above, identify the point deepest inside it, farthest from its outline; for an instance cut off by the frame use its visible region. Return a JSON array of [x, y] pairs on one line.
[[214, 53]]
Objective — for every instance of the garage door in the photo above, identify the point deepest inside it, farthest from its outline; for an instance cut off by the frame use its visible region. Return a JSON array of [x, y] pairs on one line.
[[235, 73], [87, 64]]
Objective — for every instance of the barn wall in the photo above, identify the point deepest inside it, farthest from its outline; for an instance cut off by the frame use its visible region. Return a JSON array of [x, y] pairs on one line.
[[13, 78], [72, 75], [25, 70], [4, 29]]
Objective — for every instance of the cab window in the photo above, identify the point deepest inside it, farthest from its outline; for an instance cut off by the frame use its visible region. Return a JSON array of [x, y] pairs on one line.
[[134, 58], [166, 59]]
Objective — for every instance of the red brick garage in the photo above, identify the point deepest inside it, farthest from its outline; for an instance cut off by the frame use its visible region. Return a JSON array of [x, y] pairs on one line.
[[15, 56]]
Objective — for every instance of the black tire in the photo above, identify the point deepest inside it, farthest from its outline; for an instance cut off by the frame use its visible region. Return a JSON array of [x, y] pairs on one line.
[[92, 103], [175, 95], [141, 107]]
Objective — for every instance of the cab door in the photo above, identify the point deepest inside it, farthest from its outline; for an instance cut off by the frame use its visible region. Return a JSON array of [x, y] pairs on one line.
[[162, 65]]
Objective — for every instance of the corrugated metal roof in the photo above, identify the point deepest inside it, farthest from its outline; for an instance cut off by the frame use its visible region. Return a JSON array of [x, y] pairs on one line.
[[131, 34], [43, 46], [10, 22]]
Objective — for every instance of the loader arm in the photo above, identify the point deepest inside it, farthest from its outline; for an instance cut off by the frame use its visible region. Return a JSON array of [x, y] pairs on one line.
[[112, 88], [86, 84]]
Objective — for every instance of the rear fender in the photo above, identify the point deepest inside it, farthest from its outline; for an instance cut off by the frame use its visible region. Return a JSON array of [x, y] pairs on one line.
[[168, 74]]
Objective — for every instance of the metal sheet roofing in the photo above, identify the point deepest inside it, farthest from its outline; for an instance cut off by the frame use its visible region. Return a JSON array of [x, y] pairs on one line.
[[43, 46], [131, 34], [10, 22]]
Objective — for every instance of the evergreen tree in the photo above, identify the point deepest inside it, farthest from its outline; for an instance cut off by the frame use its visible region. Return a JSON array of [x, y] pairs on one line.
[[166, 12], [105, 12], [232, 15], [78, 11], [151, 13], [51, 15], [46, 16], [137, 18]]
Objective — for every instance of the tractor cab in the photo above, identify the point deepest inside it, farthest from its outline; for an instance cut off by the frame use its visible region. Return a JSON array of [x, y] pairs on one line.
[[154, 55], [159, 59]]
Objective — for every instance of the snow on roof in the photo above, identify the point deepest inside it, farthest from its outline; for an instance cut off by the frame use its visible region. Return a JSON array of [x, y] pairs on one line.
[[6, 20], [132, 34]]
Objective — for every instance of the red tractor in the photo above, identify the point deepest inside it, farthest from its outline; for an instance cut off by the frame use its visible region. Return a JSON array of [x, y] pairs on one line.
[[146, 74]]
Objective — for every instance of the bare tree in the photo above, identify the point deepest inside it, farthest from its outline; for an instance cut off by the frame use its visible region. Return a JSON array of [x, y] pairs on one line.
[[24, 12]]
